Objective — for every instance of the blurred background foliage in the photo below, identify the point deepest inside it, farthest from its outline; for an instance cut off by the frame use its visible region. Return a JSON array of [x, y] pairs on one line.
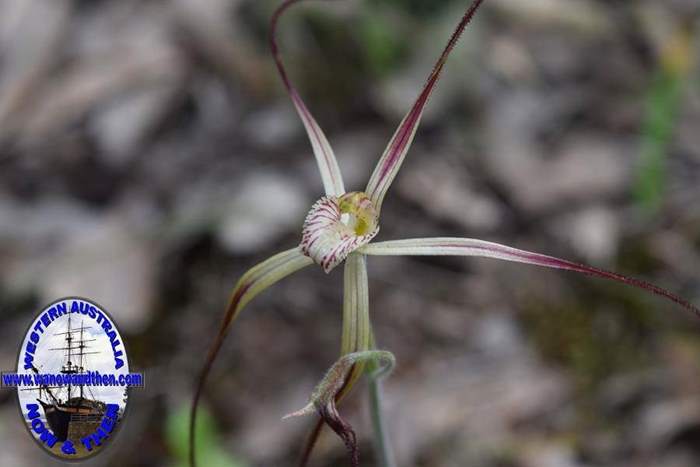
[[149, 156]]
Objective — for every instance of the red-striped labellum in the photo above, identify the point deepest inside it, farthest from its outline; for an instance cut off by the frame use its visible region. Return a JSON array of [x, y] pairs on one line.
[[336, 226]]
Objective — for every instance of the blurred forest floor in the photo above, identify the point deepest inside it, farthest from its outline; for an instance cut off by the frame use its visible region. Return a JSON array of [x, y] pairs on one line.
[[149, 156]]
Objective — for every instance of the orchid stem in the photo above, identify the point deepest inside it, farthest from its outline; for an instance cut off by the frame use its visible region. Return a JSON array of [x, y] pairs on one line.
[[382, 446]]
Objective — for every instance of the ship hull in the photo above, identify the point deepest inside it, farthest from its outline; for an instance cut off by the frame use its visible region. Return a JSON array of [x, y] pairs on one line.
[[62, 417], [58, 420]]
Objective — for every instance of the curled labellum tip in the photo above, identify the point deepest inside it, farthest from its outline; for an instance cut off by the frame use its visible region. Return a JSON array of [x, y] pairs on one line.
[[323, 398], [336, 226]]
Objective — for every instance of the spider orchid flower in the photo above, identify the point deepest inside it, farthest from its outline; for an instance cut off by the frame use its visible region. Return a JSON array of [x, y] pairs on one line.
[[340, 226]]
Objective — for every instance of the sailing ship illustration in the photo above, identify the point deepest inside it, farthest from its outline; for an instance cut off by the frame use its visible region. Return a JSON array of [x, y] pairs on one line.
[[71, 411]]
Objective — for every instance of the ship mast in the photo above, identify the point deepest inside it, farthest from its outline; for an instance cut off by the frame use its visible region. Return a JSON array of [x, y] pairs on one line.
[[82, 347], [70, 368]]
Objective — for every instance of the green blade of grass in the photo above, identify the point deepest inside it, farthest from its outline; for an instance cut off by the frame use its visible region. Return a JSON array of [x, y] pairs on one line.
[[663, 102], [209, 451]]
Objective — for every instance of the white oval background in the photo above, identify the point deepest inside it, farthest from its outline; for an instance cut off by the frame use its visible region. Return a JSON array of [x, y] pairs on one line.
[[50, 361]]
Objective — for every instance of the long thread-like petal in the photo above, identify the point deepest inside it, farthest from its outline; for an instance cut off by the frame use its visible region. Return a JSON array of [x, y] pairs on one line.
[[253, 282], [325, 158], [474, 247], [395, 152]]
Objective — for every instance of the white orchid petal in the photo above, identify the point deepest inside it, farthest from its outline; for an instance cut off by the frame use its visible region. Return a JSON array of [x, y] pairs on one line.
[[473, 247], [264, 275], [394, 154], [325, 158], [253, 282]]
